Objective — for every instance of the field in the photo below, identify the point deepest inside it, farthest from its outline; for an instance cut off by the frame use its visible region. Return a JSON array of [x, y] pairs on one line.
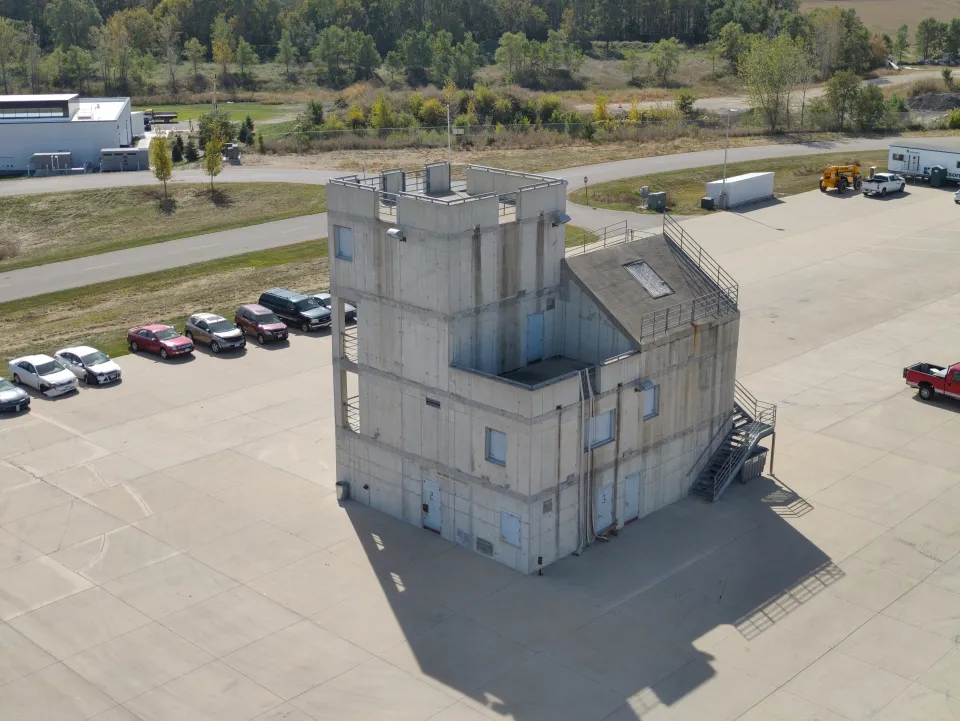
[[62, 226], [100, 314], [888, 15], [686, 187], [238, 111]]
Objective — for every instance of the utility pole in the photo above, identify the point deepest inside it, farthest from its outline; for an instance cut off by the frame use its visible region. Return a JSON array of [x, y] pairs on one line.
[[214, 91], [449, 144]]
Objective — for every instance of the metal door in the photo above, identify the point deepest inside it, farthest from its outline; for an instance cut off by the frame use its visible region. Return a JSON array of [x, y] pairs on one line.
[[534, 337], [603, 508], [913, 163], [432, 507], [631, 499]]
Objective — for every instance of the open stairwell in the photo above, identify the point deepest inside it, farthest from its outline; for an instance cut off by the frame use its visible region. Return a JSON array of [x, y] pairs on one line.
[[752, 421]]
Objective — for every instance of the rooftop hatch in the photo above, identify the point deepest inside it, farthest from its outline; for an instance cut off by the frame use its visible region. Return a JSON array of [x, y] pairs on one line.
[[648, 278]]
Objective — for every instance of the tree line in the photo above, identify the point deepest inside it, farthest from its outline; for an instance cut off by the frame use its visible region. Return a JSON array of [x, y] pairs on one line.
[[540, 43]]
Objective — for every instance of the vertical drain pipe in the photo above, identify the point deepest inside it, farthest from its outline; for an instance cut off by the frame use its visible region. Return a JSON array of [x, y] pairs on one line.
[[616, 459], [556, 505], [580, 499]]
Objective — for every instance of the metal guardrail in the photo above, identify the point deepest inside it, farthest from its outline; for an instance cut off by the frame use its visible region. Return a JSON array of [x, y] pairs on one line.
[[760, 411], [349, 343], [659, 322], [351, 408], [674, 232], [587, 240]]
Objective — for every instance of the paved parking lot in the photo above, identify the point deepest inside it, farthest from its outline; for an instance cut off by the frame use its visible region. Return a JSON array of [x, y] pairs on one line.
[[171, 548]]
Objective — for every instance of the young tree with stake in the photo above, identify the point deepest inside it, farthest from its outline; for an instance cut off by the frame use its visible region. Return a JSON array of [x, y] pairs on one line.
[[161, 162], [213, 157]]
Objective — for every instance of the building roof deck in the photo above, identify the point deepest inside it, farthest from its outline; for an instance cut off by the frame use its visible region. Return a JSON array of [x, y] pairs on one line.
[[545, 371]]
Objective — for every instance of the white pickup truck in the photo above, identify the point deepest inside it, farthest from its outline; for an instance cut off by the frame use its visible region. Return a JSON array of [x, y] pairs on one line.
[[883, 183]]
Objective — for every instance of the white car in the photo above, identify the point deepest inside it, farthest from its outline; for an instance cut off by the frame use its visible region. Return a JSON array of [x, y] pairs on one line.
[[956, 197], [89, 364], [44, 373]]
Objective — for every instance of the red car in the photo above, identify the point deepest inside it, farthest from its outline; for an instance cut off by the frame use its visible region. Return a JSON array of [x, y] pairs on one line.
[[161, 339], [260, 321]]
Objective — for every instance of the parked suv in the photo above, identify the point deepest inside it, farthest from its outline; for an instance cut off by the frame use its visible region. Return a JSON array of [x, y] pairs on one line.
[[262, 322], [296, 309], [210, 328]]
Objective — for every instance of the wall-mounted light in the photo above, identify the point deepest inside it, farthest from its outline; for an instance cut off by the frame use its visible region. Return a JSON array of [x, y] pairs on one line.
[[396, 233], [561, 219]]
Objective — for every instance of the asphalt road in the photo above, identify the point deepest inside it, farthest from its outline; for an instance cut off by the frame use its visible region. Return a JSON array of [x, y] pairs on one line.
[[135, 261]]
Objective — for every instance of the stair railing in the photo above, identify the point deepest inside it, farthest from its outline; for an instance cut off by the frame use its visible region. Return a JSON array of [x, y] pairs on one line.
[[722, 431], [759, 411]]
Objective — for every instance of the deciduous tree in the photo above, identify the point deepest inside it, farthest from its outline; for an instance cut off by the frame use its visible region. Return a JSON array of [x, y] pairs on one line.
[[161, 162], [196, 52], [770, 69], [11, 45], [665, 57], [213, 156], [287, 52], [222, 40], [245, 56], [901, 43], [841, 94]]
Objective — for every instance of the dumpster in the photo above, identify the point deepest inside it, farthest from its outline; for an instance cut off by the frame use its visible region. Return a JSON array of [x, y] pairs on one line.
[[938, 176], [343, 490], [754, 465]]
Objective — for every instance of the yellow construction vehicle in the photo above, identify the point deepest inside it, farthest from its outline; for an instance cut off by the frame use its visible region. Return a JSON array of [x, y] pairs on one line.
[[841, 177]]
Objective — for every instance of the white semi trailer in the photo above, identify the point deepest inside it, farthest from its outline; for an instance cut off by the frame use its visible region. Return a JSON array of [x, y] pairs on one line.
[[914, 158]]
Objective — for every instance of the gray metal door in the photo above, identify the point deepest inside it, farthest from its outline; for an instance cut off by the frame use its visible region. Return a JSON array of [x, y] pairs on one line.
[[432, 508], [603, 507], [534, 337], [631, 500], [913, 162]]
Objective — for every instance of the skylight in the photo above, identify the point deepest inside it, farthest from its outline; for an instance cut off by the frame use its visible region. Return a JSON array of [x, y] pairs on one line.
[[648, 278]]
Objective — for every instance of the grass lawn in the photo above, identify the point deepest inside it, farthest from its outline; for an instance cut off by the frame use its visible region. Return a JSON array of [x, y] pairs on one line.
[[238, 111], [62, 226], [100, 314], [796, 174]]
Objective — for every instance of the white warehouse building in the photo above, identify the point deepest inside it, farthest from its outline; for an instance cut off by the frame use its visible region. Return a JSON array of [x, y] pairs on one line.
[[59, 132], [513, 398]]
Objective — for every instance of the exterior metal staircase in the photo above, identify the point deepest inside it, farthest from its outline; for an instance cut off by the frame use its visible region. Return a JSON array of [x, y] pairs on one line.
[[751, 421]]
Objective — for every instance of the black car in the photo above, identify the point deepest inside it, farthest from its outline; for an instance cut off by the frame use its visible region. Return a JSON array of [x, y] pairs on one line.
[[296, 309]]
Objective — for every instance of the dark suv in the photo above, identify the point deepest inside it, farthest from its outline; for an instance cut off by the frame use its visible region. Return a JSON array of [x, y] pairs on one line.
[[296, 309], [261, 322]]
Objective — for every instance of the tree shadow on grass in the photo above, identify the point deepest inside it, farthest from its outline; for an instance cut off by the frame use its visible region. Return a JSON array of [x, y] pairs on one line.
[[220, 198]]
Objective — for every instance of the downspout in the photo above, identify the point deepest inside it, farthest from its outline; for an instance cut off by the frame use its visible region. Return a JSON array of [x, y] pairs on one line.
[[556, 504], [580, 500], [591, 478], [616, 460]]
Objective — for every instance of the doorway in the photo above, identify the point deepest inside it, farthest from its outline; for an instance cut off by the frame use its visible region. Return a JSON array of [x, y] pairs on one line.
[[913, 163], [534, 337], [603, 508], [432, 506], [631, 498]]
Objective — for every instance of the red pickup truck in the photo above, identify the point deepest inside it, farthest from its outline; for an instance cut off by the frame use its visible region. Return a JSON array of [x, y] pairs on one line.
[[931, 380]]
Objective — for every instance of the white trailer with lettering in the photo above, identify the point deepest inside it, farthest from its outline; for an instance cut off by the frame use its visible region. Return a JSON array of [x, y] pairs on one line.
[[914, 157]]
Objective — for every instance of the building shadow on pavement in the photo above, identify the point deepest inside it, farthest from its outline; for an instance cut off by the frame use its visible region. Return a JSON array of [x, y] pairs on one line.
[[624, 631]]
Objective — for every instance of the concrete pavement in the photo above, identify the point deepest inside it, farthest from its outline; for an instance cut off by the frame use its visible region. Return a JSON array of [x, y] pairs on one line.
[[172, 254], [171, 548]]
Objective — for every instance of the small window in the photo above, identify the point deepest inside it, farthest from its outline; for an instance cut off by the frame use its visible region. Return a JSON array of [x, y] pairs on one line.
[[433, 403], [899, 156], [956, 376], [651, 400], [496, 447], [599, 430], [343, 239]]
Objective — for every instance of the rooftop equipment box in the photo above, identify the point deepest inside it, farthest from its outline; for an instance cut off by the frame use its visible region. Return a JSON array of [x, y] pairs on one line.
[[741, 189]]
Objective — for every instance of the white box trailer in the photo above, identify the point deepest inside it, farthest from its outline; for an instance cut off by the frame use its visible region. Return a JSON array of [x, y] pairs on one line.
[[913, 158], [741, 189]]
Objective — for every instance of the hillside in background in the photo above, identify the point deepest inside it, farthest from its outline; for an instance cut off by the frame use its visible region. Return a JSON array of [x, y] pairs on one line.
[[887, 15]]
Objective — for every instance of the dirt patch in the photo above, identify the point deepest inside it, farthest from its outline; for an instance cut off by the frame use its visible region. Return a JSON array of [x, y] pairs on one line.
[[935, 102]]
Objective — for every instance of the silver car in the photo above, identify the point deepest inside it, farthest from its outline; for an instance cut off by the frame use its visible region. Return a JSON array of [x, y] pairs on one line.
[[214, 330], [11, 397], [349, 311]]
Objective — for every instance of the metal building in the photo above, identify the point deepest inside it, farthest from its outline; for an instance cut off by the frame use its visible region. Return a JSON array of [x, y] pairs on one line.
[[44, 124], [510, 396]]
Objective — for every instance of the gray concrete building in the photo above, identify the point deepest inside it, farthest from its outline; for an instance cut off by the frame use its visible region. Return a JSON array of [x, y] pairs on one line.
[[513, 398]]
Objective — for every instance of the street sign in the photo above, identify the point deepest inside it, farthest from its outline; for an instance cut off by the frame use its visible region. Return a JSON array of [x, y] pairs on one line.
[[584, 179]]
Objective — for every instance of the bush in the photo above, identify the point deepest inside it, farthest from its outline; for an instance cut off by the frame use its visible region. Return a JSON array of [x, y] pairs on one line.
[[898, 104], [924, 87], [355, 117], [179, 142], [8, 249], [260, 144], [217, 120], [315, 112], [433, 113], [190, 152], [415, 103], [684, 102], [549, 106], [242, 135], [483, 100], [953, 119], [176, 153]]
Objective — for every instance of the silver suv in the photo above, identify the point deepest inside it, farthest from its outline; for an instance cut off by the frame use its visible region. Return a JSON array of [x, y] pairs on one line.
[[218, 332]]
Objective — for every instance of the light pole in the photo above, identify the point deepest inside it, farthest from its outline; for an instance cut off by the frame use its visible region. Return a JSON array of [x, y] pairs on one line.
[[449, 146], [726, 147]]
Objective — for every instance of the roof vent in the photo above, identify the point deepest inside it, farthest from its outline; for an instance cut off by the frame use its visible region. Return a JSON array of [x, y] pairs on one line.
[[648, 278]]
